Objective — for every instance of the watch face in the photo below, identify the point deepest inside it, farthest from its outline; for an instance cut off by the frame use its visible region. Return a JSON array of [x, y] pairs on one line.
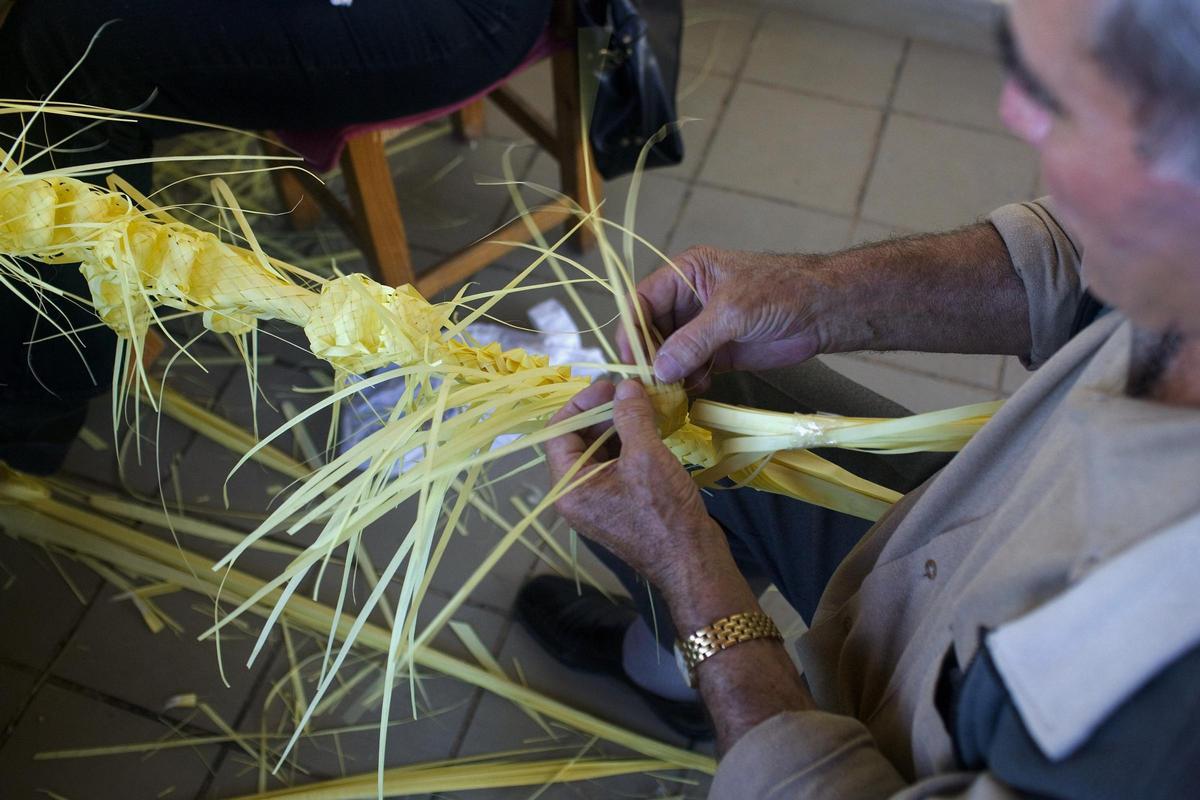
[[681, 662]]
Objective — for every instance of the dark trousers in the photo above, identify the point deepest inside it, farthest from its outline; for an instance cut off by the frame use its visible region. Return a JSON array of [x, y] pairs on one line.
[[253, 64], [265, 64], [774, 539]]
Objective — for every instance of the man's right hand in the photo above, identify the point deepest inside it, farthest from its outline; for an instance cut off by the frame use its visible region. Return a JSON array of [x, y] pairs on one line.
[[747, 311]]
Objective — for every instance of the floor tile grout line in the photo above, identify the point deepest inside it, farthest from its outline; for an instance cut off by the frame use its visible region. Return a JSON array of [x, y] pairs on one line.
[[962, 126], [1037, 181], [74, 687], [877, 144], [858, 26], [1000, 375], [864, 106], [193, 436], [259, 681], [134, 709], [38, 676], [707, 184], [923, 373], [45, 674], [504, 216], [734, 80], [477, 699]]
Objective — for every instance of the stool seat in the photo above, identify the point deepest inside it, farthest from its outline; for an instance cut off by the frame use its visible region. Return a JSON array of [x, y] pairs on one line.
[[322, 147], [372, 217]]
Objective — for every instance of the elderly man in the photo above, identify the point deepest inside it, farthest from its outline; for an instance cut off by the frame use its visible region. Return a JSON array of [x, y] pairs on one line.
[[1025, 622]]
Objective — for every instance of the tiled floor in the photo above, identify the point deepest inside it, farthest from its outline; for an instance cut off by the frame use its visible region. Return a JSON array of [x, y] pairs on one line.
[[810, 136]]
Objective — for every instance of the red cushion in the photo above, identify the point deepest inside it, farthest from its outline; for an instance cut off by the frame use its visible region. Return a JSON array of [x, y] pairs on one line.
[[322, 147]]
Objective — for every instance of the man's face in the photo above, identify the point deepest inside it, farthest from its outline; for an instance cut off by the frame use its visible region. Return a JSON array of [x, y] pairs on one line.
[[1140, 228]]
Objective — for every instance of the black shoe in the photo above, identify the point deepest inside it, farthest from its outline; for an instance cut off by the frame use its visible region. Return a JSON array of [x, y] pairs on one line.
[[585, 631]]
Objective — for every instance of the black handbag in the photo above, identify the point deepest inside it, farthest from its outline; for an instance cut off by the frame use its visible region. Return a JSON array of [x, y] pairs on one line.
[[636, 77]]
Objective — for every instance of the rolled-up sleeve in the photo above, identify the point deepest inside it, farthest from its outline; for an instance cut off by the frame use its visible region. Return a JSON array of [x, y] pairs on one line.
[[806, 754], [1048, 264], [833, 757]]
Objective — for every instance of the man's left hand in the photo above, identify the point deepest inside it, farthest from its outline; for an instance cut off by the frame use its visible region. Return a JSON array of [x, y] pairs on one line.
[[637, 501]]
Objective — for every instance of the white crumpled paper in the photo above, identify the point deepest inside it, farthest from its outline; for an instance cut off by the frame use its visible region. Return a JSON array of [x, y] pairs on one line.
[[556, 336]]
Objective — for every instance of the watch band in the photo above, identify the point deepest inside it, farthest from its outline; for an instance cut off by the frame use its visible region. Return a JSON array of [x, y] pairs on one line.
[[723, 634]]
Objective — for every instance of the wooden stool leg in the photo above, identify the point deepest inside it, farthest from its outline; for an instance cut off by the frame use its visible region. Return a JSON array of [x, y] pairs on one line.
[[376, 209], [305, 211], [469, 121], [152, 347], [577, 171]]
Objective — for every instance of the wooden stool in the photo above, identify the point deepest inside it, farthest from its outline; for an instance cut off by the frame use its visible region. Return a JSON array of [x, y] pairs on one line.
[[373, 218]]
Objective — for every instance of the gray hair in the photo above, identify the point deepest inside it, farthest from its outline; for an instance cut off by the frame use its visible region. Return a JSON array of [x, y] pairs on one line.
[[1152, 47]]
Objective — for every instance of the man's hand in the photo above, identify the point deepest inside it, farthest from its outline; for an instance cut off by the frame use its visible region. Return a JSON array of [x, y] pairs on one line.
[[638, 501], [948, 293], [641, 504], [748, 311]]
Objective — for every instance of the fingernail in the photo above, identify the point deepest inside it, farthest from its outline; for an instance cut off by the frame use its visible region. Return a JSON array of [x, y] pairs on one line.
[[628, 389], [666, 368]]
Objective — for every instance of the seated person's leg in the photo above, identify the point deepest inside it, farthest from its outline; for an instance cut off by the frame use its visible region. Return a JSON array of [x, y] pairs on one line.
[[45, 386], [47, 378], [274, 64]]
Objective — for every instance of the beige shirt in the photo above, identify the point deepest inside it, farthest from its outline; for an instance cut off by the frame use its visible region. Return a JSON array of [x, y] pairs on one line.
[[1068, 474]]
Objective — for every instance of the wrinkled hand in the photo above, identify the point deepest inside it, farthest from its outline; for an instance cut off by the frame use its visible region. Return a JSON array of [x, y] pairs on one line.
[[638, 502], [748, 311]]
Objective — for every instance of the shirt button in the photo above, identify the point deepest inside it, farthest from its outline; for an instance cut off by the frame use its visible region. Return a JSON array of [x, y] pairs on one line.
[[931, 569]]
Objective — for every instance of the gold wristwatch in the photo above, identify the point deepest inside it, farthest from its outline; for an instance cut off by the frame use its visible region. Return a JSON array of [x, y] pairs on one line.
[[721, 635]]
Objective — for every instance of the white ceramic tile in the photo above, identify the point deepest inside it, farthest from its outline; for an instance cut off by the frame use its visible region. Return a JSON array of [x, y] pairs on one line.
[[866, 231], [513, 307], [59, 719], [498, 725], [438, 183], [701, 97], [205, 476], [115, 653], [466, 552], [982, 371], [915, 392], [657, 203], [930, 176], [591, 571], [962, 23], [737, 221], [811, 55], [97, 461], [17, 683], [536, 86], [443, 708], [796, 148], [463, 555], [1015, 375], [716, 34], [1041, 189], [951, 85], [31, 581]]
